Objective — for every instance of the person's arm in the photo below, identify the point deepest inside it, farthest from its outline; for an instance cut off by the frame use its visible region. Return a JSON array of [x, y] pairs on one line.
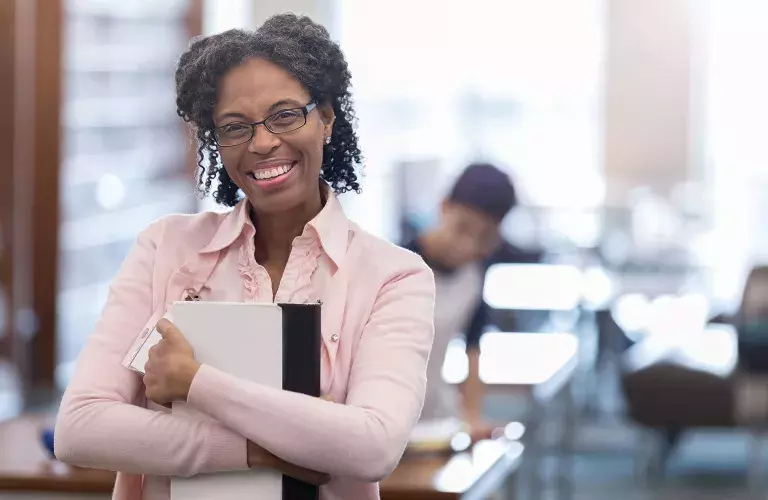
[[365, 437], [101, 422], [473, 390]]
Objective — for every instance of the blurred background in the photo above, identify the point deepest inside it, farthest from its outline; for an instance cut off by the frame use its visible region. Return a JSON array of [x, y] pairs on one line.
[[634, 132]]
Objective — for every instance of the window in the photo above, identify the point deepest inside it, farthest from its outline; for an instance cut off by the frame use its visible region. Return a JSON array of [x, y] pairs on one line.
[[737, 159], [516, 82], [125, 150]]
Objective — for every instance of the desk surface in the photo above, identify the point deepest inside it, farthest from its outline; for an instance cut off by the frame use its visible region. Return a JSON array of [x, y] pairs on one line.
[[467, 475], [26, 466], [537, 363]]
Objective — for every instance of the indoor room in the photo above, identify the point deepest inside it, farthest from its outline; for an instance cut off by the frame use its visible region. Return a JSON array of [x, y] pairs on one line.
[[536, 261]]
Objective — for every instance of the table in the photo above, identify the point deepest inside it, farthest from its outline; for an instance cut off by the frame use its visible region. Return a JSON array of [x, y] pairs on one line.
[[25, 465], [489, 467], [541, 367]]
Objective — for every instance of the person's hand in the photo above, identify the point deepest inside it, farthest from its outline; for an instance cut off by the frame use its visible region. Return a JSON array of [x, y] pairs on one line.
[[259, 457], [480, 430], [171, 366]]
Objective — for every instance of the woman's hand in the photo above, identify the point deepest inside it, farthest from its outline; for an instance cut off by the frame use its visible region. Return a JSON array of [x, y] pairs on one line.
[[259, 457], [171, 366]]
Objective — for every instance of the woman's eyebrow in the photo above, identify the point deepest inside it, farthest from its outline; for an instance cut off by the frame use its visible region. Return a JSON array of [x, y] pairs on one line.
[[274, 107], [284, 102], [231, 114]]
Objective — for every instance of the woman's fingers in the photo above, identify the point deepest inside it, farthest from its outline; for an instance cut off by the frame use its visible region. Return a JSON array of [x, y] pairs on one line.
[[302, 474], [258, 455]]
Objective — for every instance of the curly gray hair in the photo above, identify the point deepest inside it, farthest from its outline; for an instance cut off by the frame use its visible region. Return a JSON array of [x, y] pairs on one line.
[[301, 47]]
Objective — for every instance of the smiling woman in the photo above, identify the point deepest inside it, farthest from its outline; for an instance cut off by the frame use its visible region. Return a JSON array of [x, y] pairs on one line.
[[272, 114]]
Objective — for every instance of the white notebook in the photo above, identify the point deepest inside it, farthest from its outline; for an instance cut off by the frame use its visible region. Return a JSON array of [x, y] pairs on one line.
[[244, 340]]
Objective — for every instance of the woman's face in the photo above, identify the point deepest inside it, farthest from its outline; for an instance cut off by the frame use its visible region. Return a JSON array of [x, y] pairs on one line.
[[277, 172]]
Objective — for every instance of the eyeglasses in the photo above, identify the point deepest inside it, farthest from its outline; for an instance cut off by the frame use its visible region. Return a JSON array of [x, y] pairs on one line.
[[286, 120]]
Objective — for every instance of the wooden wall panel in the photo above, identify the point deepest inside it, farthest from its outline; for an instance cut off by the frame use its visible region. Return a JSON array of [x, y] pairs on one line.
[[30, 62], [47, 160], [7, 58]]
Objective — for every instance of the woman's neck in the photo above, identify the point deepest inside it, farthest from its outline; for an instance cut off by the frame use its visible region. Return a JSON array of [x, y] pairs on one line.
[[275, 232]]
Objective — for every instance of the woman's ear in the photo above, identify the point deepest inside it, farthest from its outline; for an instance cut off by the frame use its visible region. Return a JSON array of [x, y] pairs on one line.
[[327, 116]]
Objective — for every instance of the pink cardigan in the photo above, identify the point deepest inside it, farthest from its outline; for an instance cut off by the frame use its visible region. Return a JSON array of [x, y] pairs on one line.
[[377, 328]]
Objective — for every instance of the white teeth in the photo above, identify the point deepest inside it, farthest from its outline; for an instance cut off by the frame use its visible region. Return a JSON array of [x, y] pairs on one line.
[[271, 173]]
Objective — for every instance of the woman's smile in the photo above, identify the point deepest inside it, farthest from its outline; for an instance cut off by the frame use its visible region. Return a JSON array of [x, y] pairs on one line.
[[274, 175]]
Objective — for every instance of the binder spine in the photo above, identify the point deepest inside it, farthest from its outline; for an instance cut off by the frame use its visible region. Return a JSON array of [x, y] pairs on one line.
[[301, 372]]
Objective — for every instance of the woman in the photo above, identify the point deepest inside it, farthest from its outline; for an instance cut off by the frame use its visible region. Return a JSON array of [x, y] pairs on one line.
[[273, 116]]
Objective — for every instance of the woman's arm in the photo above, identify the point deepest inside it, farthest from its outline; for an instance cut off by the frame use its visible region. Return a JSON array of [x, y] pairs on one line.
[[366, 437], [99, 423]]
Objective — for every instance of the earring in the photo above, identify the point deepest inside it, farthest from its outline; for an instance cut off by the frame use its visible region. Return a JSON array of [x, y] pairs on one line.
[[328, 140]]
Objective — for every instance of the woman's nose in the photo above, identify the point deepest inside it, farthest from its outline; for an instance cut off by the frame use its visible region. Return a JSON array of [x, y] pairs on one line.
[[263, 141]]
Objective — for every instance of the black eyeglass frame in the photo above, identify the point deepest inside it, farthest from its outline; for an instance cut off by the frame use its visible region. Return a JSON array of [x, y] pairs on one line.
[[305, 110]]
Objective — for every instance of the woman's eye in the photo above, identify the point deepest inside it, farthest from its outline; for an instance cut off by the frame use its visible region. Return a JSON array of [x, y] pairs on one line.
[[234, 127], [285, 116]]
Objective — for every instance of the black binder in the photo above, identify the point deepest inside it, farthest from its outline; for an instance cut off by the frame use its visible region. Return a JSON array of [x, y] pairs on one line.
[[301, 372]]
